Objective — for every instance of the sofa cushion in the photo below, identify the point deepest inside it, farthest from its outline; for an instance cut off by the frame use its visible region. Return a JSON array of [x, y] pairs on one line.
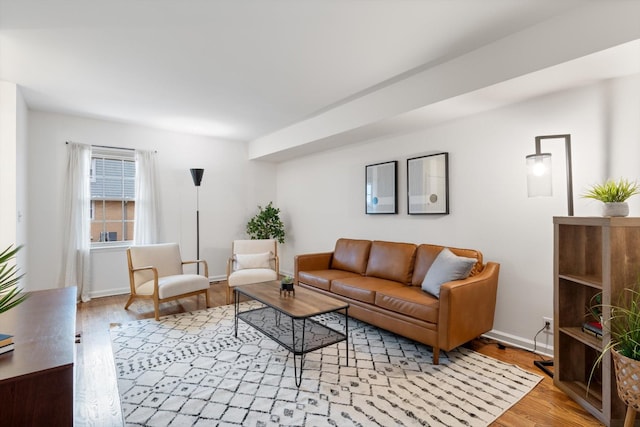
[[410, 301], [362, 288], [351, 255], [391, 260], [322, 278], [426, 254], [446, 267]]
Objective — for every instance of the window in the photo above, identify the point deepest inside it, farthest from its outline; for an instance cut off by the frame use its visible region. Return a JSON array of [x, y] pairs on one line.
[[113, 177]]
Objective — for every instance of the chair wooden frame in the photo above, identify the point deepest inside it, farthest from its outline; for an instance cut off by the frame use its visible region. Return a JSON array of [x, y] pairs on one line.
[[230, 261], [155, 296]]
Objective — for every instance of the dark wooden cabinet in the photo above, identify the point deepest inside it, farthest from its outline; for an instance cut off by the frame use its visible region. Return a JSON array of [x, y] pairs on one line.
[[37, 377]]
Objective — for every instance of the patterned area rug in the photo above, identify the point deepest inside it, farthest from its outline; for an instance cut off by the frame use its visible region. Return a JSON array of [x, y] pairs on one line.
[[190, 370]]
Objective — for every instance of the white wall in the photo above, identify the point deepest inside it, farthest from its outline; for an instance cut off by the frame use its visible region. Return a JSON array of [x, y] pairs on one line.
[[231, 189], [13, 175], [22, 179], [8, 146], [323, 194]]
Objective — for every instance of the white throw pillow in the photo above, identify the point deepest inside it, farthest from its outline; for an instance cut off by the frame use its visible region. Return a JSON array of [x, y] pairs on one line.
[[248, 261], [446, 267]]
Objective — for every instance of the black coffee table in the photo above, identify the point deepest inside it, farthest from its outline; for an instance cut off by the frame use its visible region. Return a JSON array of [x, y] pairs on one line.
[[287, 318]]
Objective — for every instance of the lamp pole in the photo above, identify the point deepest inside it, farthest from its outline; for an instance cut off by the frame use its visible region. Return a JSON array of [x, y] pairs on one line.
[[196, 174]]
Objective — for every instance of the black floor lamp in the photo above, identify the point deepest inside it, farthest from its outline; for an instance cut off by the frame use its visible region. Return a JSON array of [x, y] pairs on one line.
[[539, 184], [196, 174]]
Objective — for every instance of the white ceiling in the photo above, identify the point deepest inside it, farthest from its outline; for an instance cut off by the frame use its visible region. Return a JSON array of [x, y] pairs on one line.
[[236, 69]]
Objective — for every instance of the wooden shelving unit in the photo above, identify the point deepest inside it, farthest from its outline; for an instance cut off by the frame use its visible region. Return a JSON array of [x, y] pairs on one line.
[[591, 255]]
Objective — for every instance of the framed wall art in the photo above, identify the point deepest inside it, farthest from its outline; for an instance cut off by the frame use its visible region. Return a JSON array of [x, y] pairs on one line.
[[428, 184], [381, 193]]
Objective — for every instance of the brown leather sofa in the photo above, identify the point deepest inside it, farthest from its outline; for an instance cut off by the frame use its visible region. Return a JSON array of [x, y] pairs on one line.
[[382, 283]]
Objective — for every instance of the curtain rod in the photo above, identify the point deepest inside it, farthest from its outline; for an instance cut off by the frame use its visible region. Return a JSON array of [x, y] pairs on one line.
[[115, 148]]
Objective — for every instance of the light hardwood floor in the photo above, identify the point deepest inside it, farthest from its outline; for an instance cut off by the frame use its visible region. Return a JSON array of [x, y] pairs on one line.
[[97, 402]]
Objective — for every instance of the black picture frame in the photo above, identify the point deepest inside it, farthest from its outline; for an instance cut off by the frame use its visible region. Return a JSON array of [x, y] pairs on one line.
[[381, 188], [428, 185]]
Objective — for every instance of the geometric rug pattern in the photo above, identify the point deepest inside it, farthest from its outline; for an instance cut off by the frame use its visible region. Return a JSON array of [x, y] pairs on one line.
[[190, 370]]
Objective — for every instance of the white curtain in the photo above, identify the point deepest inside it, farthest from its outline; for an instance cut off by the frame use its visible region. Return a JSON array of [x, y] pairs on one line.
[[76, 255], [146, 223]]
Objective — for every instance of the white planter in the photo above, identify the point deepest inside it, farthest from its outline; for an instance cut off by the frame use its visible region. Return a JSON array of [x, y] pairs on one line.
[[615, 209]]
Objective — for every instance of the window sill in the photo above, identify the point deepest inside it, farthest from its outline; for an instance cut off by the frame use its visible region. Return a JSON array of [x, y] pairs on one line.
[[115, 247]]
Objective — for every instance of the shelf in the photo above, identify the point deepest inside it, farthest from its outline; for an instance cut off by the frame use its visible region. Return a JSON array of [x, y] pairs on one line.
[[587, 280], [591, 396], [576, 333]]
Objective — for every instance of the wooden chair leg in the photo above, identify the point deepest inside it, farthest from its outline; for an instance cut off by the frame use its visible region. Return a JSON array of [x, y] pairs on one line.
[[156, 307], [206, 298], [630, 418], [126, 306], [228, 294]]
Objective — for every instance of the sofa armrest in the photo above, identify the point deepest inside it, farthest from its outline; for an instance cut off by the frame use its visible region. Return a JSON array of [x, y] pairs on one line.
[[309, 262], [467, 307]]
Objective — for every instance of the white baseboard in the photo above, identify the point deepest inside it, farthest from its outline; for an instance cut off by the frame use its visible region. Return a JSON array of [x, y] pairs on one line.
[[542, 345], [109, 292]]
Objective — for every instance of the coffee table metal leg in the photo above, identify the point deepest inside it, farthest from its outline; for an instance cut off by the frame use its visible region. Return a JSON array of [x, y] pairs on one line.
[[298, 374], [346, 331], [235, 310]]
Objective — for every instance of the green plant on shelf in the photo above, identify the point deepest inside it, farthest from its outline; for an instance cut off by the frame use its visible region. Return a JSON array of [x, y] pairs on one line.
[[613, 191]]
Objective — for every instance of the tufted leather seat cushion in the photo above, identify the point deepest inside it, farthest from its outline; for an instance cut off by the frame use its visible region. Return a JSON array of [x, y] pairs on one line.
[[410, 301], [322, 278], [362, 288]]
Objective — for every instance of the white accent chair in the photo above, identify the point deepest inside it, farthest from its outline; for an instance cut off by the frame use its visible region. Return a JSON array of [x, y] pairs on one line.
[[252, 261], [155, 272]]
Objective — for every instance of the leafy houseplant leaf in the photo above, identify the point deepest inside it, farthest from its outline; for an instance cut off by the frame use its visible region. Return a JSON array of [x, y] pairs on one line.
[[623, 325], [266, 224], [10, 294], [613, 191]]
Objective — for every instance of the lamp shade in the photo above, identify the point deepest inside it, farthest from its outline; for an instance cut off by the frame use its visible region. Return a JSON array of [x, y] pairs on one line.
[[196, 174], [539, 175]]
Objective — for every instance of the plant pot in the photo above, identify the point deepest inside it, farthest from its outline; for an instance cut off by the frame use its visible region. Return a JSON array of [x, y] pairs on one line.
[[287, 288], [615, 209], [628, 384]]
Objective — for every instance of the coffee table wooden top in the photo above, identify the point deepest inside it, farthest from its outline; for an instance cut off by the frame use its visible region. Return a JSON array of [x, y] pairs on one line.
[[304, 303]]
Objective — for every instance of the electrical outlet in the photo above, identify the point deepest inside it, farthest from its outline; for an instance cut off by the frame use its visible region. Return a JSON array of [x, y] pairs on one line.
[[547, 321]]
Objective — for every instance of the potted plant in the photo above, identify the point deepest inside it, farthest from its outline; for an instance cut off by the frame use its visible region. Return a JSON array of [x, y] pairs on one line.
[[614, 195], [266, 224], [286, 284], [10, 294], [623, 326]]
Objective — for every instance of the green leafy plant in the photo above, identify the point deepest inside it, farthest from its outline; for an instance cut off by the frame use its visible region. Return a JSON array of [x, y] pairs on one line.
[[623, 324], [613, 191], [10, 294], [266, 224], [287, 279]]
